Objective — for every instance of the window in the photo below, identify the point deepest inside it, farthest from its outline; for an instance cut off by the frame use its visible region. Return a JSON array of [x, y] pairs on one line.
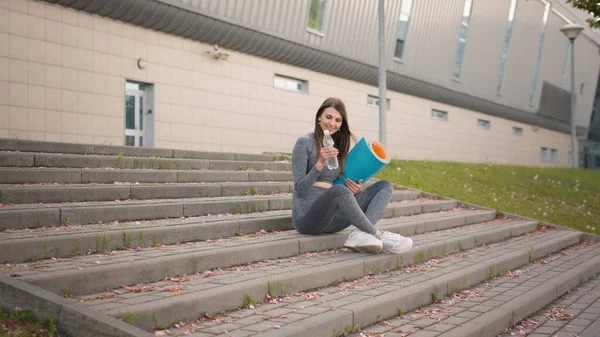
[[548, 155], [554, 155], [543, 154], [439, 115], [402, 28], [517, 131], [374, 101], [289, 83], [563, 76], [511, 18], [483, 124], [316, 14], [462, 38], [539, 53]]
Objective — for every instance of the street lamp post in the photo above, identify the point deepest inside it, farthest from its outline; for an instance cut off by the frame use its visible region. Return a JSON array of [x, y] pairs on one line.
[[571, 31]]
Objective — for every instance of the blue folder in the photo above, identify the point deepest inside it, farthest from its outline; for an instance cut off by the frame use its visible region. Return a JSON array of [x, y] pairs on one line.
[[364, 160]]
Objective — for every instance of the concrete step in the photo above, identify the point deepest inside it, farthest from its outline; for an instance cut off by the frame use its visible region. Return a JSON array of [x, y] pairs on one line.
[[40, 243], [40, 215], [110, 176], [26, 159], [573, 314], [504, 300], [213, 291], [21, 145], [30, 194], [342, 307]]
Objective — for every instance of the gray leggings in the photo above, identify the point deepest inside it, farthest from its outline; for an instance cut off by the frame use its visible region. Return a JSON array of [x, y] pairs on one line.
[[336, 209]]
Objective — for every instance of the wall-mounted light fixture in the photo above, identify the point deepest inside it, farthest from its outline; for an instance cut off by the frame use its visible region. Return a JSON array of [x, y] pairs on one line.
[[141, 63], [218, 54]]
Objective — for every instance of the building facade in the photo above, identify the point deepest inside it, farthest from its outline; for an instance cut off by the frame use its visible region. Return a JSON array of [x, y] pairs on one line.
[[468, 80]]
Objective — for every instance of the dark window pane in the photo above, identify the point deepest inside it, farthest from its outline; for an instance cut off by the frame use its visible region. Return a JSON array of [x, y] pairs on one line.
[[130, 112], [129, 140], [399, 47], [141, 114], [141, 141]]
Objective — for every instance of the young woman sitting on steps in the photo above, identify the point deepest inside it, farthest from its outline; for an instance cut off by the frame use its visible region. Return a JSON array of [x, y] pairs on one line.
[[321, 207]]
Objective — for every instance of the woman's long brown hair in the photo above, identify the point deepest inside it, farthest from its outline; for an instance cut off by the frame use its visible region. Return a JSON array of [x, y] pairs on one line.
[[341, 137]]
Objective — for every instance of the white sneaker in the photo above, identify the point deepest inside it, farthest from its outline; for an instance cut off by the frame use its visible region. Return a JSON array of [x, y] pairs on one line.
[[360, 241], [395, 243]]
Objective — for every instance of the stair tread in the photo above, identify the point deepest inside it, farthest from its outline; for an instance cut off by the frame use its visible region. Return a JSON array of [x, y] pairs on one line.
[[130, 202], [303, 305], [115, 156], [48, 231], [110, 169], [452, 312], [45, 186], [90, 261], [28, 146]]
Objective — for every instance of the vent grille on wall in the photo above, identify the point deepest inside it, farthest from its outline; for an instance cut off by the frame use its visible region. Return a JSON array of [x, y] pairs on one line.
[[555, 103]]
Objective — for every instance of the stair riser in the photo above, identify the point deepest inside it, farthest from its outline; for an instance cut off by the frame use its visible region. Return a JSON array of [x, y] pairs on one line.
[[120, 162], [7, 144], [56, 194], [76, 215], [372, 310], [69, 215], [84, 176], [16, 159], [209, 301], [200, 261]]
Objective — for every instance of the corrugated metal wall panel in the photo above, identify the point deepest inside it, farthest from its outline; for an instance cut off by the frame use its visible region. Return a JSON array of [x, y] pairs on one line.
[[553, 56], [485, 41], [432, 40], [343, 19], [522, 54]]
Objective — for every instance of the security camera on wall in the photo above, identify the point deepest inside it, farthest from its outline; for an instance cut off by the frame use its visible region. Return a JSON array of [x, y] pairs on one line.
[[218, 54]]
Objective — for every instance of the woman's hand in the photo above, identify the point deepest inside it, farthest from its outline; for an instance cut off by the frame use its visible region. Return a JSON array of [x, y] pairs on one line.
[[326, 153], [355, 188]]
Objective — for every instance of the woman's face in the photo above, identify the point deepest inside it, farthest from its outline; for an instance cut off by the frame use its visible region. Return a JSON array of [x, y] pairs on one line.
[[331, 120]]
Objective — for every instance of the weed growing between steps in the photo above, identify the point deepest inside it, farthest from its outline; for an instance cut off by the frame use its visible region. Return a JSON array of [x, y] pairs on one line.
[[561, 196], [23, 323]]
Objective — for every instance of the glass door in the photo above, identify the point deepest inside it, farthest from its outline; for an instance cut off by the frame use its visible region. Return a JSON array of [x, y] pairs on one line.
[[135, 111]]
